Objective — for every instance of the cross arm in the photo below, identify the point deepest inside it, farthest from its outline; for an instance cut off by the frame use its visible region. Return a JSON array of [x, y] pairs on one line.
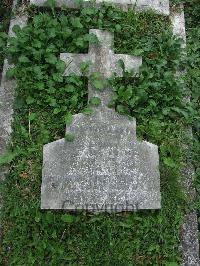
[[130, 63], [73, 62]]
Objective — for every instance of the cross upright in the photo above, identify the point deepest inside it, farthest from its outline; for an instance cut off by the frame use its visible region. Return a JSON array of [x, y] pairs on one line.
[[105, 168], [102, 60]]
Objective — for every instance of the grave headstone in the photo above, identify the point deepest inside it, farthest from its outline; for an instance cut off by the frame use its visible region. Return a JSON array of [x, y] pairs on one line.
[[160, 6], [105, 168]]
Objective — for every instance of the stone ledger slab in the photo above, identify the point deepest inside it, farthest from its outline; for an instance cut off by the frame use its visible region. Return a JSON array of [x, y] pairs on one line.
[[105, 168], [7, 89], [160, 6]]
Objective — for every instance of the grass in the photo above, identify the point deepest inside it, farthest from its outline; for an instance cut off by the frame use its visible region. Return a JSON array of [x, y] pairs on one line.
[[43, 101]]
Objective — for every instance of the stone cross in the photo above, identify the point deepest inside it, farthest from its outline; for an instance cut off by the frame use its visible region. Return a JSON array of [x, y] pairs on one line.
[[105, 168], [102, 60]]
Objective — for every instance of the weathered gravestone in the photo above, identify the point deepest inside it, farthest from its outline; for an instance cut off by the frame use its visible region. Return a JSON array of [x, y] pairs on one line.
[[160, 6], [105, 168]]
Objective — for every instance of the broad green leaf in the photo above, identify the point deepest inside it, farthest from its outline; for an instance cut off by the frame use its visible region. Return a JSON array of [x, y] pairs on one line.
[[118, 27], [76, 23], [84, 67], [30, 100], [51, 59], [122, 109], [95, 101], [51, 3], [11, 72], [67, 32], [56, 111], [23, 59], [91, 38], [70, 88], [169, 162], [37, 219], [49, 217], [87, 111], [68, 118], [16, 29], [121, 64], [58, 77], [60, 65], [80, 42], [138, 52], [32, 116], [128, 93], [98, 84]]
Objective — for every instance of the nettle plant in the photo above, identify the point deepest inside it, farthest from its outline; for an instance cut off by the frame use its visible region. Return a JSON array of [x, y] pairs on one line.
[[45, 102]]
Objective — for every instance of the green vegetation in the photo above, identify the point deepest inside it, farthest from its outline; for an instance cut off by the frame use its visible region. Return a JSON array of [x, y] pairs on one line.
[[192, 17], [45, 101], [5, 13], [192, 14]]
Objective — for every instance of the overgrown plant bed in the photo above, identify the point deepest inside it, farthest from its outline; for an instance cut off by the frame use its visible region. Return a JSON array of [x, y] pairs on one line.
[[43, 104]]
